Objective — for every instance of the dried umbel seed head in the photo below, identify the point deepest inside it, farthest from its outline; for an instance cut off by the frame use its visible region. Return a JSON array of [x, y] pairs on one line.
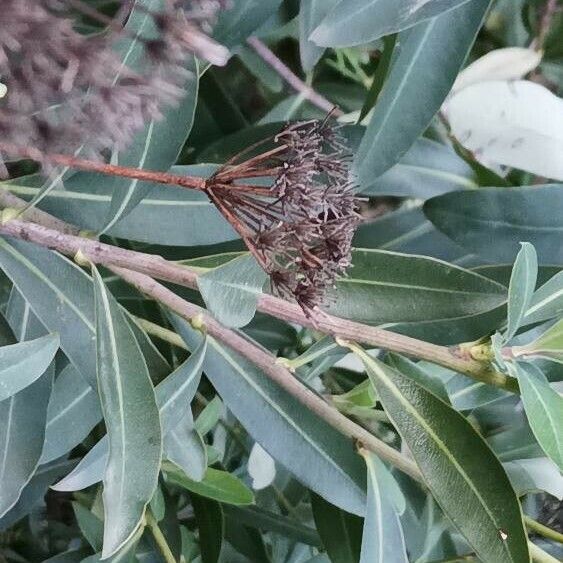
[[67, 90], [300, 228]]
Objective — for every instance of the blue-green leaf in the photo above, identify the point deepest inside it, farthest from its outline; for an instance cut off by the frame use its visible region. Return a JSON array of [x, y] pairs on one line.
[[521, 288], [311, 14], [23, 363], [382, 538], [314, 452], [132, 421], [22, 429], [420, 78], [464, 476], [544, 409], [74, 409], [360, 21], [231, 291]]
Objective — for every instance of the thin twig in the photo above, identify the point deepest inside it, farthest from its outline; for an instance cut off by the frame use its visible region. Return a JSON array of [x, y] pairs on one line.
[[159, 538], [267, 363], [157, 267], [291, 78], [542, 530]]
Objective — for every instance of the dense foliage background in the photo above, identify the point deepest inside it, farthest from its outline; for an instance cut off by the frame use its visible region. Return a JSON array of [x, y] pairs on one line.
[[137, 428]]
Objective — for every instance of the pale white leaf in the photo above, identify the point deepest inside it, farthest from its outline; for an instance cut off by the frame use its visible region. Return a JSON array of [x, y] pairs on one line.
[[261, 468]]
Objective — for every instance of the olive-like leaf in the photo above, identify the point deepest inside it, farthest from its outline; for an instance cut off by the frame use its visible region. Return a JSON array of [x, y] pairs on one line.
[[360, 21], [23, 363], [544, 409], [132, 421], [217, 485], [521, 288], [390, 287], [382, 538], [313, 451], [430, 56], [463, 474]]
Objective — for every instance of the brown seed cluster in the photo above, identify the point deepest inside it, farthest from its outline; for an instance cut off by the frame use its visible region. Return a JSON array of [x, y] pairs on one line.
[[300, 228], [68, 89]]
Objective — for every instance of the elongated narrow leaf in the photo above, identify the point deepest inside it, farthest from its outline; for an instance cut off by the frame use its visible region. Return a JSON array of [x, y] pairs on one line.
[[132, 421], [360, 21], [61, 296], [491, 222], [74, 409], [217, 485], [391, 287], [173, 396], [535, 475], [23, 363], [22, 429], [341, 532], [231, 291], [190, 218], [464, 476], [23, 321], [184, 446], [382, 538], [35, 490], [521, 288], [428, 169], [547, 301], [313, 451], [548, 345], [544, 409], [419, 80], [156, 148], [311, 14], [210, 523]]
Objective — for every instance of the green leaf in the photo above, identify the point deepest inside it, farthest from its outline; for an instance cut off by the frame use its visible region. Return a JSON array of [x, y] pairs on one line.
[[74, 409], [415, 372], [210, 523], [262, 519], [341, 532], [23, 363], [174, 395], [544, 409], [549, 345], [60, 294], [90, 525], [382, 538], [22, 429], [217, 485], [362, 395], [428, 169], [231, 291], [464, 476], [391, 287], [132, 422], [547, 301], [209, 416], [155, 148], [242, 18], [24, 323], [311, 14], [361, 21], [189, 217], [420, 78], [319, 456], [491, 222], [515, 443], [184, 446], [35, 490], [534, 476], [521, 288]]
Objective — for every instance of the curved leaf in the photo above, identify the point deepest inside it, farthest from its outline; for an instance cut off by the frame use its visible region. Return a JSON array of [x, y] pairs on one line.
[[391, 287], [420, 78], [361, 21], [463, 474], [23, 363], [491, 222], [217, 485], [382, 538], [22, 429], [132, 422], [314, 452]]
